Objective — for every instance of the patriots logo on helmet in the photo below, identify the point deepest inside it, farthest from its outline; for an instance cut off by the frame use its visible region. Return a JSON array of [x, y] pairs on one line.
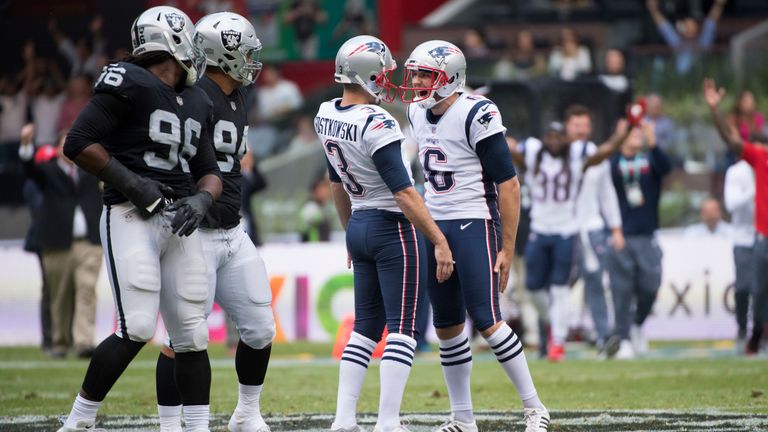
[[176, 21], [372, 46], [384, 122], [230, 39], [440, 53], [486, 118]]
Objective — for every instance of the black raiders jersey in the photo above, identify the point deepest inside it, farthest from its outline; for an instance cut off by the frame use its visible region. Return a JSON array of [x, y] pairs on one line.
[[165, 136], [230, 131]]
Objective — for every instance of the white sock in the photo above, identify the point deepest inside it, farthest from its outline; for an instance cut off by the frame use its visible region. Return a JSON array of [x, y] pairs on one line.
[[558, 312], [395, 367], [170, 417], [509, 352], [196, 417], [83, 410], [456, 358], [248, 400], [352, 370]]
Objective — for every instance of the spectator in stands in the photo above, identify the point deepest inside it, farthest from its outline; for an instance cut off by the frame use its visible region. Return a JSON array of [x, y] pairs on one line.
[[78, 95], [306, 137], [522, 62], [277, 95], [664, 127], [305, 16], [47, 98], [689, 42], [314, 216], [744, 116], [69, 240], [739, 196], [13, 115], [82, 58], [712, 223], [474, 44], [569, 59], [614, 74], [635, 271], [355, 21]]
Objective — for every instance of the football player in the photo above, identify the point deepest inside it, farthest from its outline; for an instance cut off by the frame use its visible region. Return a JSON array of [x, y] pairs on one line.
[[237, 277], [381, 211], [143, 133], [555, 169], [473, 193]]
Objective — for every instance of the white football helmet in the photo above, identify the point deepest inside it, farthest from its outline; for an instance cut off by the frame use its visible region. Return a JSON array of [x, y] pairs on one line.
[[367, 61], [165, 28], [230, 43], [443, 62]]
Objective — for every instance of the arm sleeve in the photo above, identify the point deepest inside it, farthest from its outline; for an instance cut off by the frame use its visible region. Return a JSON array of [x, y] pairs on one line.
[[660, 161], [609, 201], [708, 33], [389, 163], [495, 157], [380, 130], [332, 174], [669, 34], [483, 120], [204, 161], [100, 117]]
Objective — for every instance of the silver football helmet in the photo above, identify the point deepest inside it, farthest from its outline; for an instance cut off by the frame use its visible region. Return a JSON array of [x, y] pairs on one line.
[[434, 68], [367, 61], [230, 43], [165, 28]]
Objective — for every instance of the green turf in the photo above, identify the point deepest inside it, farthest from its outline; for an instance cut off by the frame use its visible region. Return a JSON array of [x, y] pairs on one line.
[[34, 385]]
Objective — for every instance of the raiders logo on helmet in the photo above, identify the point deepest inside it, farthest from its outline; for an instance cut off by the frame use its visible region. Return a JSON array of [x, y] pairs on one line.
[[230, 39], [175, 21]]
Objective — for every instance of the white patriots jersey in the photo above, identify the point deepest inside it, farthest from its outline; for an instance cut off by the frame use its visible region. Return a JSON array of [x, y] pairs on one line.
[[455, 184], [554, 191], [350, 136]]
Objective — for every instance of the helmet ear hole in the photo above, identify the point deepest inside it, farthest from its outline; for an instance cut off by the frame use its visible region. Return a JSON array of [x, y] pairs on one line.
[[372, 78], [176, 40]]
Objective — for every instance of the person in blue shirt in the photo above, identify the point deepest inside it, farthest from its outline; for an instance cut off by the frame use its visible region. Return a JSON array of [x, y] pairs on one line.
[[688, 42], [635, 271]]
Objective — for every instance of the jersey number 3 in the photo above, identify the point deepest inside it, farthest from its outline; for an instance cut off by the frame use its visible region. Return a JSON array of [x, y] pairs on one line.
[[350, 184]]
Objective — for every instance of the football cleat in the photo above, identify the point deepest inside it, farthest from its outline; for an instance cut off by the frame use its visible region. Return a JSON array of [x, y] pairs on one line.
[[457, 426], [81, 426], [536, 419], [612, 346], [399, 428], [556, 353], [354, 428], [256, 423]]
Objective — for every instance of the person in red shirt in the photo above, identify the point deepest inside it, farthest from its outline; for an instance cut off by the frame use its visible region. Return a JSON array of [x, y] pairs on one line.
[[756, 154]]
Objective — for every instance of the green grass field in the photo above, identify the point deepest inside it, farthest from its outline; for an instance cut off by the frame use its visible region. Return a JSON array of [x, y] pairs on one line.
[[302, 379]]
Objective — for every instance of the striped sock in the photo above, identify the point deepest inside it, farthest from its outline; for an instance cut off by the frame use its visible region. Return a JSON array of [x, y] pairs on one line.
[[509, 353], [395, 367], [456, 358], [352, 369]]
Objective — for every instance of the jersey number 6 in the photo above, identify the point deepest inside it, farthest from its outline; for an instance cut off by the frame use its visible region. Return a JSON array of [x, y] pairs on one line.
[[441, 181]]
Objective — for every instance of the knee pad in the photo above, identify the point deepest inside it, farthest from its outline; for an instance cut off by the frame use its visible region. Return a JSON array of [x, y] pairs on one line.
[[192, 340], [260, 331], [141, 326]]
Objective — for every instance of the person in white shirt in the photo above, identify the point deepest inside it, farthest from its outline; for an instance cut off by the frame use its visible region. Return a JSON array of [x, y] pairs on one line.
[[739, 197], [712, 223], [599, 222]]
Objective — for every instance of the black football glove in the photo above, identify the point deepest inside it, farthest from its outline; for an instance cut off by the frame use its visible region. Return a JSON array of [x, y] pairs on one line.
[[146, 194], [190, 211]]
